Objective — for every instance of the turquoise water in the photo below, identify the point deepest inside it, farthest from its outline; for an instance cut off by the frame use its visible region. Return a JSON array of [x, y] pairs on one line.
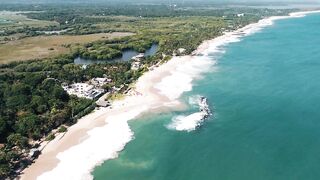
[[4, 21], [265, 93]]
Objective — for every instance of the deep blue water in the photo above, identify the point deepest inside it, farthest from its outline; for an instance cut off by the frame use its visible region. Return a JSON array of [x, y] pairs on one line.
[[265, 92]]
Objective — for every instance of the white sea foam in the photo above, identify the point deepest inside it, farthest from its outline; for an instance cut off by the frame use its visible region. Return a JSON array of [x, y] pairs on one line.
[[302, 14], [192, 121], [103, 143], [173, 86], [194, 100], [180, 80], [186, 123], [216, 45]]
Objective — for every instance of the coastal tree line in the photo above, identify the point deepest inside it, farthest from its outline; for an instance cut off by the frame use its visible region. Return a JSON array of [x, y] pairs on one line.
[[32, 101]]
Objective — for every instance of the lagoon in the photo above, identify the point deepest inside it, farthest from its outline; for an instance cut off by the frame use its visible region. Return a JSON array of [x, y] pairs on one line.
[[127, 55], [266, 125]]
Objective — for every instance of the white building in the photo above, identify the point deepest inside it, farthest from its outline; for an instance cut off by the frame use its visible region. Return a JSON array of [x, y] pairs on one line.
[[83, 90], [135, 65], [181, 50], [100, 81], [138, 57]]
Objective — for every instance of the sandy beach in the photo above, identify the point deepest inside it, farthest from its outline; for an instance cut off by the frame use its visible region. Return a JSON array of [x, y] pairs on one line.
[[148, 98], [100, 135]]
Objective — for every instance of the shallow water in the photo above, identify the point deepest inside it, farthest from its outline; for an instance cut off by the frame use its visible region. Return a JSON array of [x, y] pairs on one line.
[[266, 125], [4, 21]]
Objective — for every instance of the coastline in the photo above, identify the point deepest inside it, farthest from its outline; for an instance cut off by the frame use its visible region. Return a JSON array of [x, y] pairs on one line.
[[158, 88], [115, 120]]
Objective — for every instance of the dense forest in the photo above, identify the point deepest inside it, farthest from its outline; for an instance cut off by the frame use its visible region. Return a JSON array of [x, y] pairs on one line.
[[109, 49], [83, 18], [32, 101]]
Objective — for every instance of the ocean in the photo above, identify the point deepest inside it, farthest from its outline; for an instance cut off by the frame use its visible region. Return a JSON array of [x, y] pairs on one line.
[[264, 91]]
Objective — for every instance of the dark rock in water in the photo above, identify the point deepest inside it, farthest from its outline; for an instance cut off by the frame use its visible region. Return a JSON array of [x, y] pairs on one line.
[[204, 106], [204, 109]]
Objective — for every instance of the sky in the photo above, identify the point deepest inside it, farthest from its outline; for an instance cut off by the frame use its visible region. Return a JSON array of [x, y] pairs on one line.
[[154, 1]]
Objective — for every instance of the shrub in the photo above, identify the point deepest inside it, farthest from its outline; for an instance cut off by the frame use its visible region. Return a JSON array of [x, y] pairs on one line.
[[50, 137], [62, 129]]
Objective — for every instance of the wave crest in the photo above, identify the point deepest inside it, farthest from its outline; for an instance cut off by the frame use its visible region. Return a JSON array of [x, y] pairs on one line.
[[186, 123]]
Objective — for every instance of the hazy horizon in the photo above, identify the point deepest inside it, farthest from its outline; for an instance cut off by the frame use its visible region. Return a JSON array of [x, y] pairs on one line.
[[159, 1]]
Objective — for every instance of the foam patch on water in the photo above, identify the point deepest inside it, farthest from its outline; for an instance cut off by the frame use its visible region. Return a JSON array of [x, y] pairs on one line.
[[194, 100], [105, 142], [189, 122], [102, 144], [180, 79], [186, 123], [216, 45]]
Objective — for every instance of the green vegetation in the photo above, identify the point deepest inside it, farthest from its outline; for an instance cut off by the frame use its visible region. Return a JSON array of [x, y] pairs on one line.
[[62, 129], [40, 47], [109, 49], [50, 137], [116, 96], [15, 26], [31, 105], [32, 101]]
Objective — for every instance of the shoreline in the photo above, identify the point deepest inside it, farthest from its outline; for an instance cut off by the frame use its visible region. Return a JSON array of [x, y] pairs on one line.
[[159, 90], [148, 99]]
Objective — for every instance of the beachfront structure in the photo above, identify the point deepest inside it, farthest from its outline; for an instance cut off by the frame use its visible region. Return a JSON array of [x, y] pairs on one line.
[[102, 101], [135, 65], [91, 89], [178, 52], [99, 82], [138, 57], [181, 50], [84, 90]]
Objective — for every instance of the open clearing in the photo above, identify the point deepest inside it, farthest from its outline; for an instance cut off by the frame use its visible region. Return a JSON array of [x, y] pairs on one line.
[[10, 19], [47, 46]]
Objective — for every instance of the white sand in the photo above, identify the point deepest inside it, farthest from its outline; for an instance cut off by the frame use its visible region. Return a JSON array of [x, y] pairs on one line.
[[102, 134]]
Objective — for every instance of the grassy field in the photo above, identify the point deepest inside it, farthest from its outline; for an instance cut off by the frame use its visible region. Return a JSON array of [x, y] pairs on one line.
[[14, 21], [10, 19], [47, 46]]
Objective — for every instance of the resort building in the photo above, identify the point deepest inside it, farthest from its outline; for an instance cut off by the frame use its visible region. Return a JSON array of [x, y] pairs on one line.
[[84, 90], [135, 65], [99, 82], [136, 62], [179, 52], [92, 89], [138, 57]]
